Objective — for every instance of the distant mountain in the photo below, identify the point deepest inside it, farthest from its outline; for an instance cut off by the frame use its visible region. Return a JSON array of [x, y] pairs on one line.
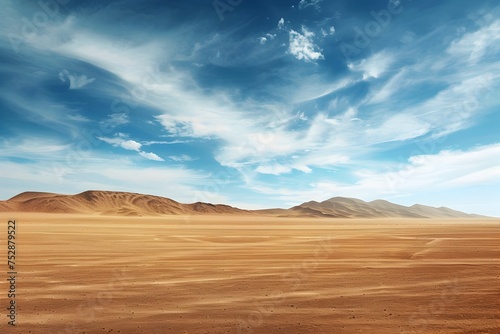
[[132, 204], [110, 203], [342, 207]]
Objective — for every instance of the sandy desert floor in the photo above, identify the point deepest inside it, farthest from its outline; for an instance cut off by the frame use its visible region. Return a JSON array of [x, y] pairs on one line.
[[95, 274]]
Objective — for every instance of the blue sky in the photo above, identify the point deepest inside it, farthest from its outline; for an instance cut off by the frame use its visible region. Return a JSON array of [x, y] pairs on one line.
[[253, 103]]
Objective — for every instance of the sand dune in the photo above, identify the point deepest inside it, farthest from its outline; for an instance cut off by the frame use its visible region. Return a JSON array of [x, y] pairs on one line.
[[132, 204]]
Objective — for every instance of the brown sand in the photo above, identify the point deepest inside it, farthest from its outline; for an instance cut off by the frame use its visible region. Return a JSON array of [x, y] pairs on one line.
[[216, 274]]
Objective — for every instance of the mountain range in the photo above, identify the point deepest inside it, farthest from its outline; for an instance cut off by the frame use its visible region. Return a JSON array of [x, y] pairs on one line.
[[132, 204], [342, 207]]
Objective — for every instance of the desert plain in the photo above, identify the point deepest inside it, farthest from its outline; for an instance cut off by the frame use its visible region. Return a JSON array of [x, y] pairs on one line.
[[253, 274]]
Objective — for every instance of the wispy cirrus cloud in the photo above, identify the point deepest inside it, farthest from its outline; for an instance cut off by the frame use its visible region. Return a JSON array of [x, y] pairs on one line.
[[115, 120], [75, 81], [78, 118], [309, 3], [475, 45], [374, 66], [151, 156], [181, 158], [131, 145]]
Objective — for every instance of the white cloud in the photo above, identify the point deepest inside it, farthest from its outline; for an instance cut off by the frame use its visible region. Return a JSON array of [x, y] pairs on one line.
[[242, 128], [320, 159], [328, 32], [115, 120], [131, 145], [262, 40], [468, 83], [101, 51], [56, 175], [303, 169], [456, 107], [313, 87], [281, 24], [398, 128], [421, 175], [309, 3], [389, 88], [302, 46], [150, 156], [440, 171], [120, 142], [374, 66], [253, 134], [302, 116], [485, 176], [476, 44], [445, 169], [78, 118], [164, 142], [43, 111], [32, 147], [75, 81], [181, 158], [273, 169]]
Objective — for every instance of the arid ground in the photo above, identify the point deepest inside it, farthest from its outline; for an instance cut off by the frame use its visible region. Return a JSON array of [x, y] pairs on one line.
[[247, 274]]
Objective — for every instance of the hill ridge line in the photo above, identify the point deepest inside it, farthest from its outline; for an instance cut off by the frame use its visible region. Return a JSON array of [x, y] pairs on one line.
[[121, 203]]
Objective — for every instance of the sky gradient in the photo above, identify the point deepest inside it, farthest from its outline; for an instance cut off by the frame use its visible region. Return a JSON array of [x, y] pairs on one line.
[[255, 104]]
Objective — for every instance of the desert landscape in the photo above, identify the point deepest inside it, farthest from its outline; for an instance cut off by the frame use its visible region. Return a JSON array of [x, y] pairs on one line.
[[249, 272], [250, 167]]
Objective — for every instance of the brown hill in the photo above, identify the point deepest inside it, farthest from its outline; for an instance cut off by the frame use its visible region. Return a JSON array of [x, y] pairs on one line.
[[110, 203], [342, 207], [132, 204]]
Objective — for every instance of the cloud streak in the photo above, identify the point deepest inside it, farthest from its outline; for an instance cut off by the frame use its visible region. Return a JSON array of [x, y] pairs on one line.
[[75, 81], [131, 145]]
